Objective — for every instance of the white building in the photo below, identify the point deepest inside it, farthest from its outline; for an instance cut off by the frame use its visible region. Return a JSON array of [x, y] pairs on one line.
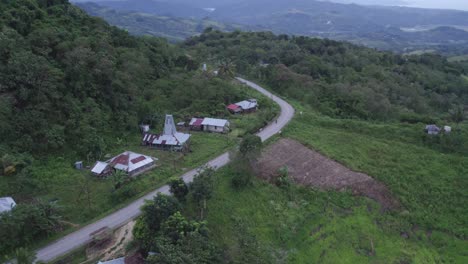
[[249, 105], [209, 125], [170, 139], [129, 162], [6, 204], [215, 125]]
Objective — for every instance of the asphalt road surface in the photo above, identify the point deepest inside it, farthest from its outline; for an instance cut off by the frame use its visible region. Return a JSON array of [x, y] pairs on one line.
[[117, 219]]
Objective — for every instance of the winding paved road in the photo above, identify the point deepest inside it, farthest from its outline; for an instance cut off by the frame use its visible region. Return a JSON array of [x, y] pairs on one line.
[[124, 215]]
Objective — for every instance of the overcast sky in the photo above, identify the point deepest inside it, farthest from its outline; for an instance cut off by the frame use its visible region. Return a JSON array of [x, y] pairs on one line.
[[449, 4]]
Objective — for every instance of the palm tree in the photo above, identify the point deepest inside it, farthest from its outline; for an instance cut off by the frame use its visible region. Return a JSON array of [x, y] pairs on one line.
[[226, 68]]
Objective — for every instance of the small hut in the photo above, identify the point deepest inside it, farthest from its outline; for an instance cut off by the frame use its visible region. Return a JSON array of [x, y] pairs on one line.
[[432, 130], [6, 204]]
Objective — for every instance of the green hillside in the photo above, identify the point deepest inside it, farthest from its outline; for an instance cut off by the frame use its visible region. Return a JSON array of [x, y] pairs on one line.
[[340, 79], [72, 87]]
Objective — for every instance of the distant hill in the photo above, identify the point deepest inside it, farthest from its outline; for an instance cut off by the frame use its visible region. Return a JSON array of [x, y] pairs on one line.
[[144, 23], [374, 26]]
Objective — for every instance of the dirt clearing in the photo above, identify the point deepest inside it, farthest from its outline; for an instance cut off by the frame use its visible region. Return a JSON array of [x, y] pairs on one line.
[[310, 168]]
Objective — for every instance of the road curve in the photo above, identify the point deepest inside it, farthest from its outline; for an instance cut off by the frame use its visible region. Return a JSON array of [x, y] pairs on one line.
[[131, 211]]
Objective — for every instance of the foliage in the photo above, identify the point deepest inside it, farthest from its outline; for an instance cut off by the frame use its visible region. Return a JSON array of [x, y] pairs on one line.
[[396, 155], [265, 224], [202, 186], [177, 240], [193, 249], [177, 227], [250, 146], [243, 175], [283, 180], [26, 223], [179, 188], [340, 79], [23, 256], [156, 212]]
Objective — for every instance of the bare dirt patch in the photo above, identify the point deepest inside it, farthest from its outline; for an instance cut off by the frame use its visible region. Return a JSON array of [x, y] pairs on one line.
[[115, 247], [310, 168]]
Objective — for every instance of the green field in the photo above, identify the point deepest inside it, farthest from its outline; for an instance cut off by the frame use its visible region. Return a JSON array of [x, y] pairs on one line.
[[266, 224]]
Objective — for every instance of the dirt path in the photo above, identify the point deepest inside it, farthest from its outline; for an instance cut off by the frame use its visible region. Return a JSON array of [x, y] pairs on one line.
[[310, 168]]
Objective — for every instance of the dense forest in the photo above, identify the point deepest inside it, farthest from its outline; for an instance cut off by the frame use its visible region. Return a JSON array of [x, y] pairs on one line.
[[66, 78], [340, 79]]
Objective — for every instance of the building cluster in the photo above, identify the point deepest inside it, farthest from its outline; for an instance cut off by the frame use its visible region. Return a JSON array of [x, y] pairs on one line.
[[133, 164]]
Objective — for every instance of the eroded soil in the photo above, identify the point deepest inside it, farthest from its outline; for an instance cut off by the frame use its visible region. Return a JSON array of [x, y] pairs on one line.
[[310, 168]]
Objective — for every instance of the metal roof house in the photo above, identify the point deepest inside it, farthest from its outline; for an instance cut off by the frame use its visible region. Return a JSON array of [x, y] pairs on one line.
[[215, 125], [129, 162], [6, 204], [246, 106], [170, 139], [210, 125]]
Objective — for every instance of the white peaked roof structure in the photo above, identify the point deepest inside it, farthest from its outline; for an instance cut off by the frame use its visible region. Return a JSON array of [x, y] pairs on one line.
[[169, 126], [6, 204], [130, 161], [170, 136], [247, 104], [215, 122]]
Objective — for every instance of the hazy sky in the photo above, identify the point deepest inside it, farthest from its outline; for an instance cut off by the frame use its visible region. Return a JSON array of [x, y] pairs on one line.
[[450, 4]]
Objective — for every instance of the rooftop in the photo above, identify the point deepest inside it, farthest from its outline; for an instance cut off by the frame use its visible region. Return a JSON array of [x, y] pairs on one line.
[[214, 122], [6, 204]]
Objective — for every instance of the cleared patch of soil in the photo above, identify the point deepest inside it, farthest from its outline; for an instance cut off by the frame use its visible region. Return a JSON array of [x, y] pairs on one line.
[[115, 248], [310, 168]]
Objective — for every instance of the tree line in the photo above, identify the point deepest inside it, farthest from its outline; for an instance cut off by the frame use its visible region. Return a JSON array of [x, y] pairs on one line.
[[340, 79]]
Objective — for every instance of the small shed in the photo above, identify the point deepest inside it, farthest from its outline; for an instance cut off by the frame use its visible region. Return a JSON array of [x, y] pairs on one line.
[[79, 165], [234, 109], [6, 204], [144, 128], [432, 129], [215, 125]]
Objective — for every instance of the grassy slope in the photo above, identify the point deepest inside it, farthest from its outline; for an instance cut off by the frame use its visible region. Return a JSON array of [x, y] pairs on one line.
[[306, 226]]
